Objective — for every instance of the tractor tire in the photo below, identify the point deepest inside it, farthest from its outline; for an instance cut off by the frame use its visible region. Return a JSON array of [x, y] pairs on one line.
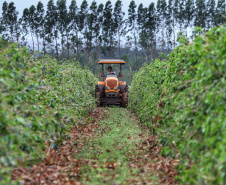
[[125, 97], [98, 96]]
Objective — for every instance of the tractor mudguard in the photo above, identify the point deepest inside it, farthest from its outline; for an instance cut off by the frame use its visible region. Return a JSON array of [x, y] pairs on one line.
[[122, 88], [101, 87]]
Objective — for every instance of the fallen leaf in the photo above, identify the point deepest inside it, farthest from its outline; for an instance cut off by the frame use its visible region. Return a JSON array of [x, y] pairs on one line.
[[111, 165]]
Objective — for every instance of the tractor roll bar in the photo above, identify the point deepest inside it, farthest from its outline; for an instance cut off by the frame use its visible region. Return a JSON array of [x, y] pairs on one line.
[[102, 70]]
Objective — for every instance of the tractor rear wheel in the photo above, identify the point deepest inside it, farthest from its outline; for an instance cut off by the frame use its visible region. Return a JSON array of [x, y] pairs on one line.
[[125, 97], [98, 96]]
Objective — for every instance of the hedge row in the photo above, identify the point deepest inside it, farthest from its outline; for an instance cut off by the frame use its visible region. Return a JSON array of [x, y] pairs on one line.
[[40, 99], [183, 100]]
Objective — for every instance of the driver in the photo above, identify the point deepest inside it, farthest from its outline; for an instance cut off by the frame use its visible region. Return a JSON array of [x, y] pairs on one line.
[[110, 70]]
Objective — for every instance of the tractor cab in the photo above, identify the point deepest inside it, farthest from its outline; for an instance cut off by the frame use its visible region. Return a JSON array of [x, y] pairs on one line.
[[110, 90]]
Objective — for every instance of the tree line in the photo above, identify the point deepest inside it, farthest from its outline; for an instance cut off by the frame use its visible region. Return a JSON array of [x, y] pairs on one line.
[[103, 30]]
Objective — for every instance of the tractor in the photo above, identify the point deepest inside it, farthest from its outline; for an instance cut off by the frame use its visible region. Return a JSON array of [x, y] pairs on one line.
[[111, 90]]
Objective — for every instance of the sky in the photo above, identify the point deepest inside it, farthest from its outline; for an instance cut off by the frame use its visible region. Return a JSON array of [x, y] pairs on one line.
[[22, 4]]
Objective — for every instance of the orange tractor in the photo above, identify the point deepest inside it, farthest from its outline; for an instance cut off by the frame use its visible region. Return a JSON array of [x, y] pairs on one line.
[[111, 90]]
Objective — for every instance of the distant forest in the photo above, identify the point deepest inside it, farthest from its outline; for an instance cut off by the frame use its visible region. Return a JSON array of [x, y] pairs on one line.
[[90, 32]]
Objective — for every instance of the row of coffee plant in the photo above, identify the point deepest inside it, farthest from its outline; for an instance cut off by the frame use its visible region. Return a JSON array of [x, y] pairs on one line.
[[182, 99], [40, 99]]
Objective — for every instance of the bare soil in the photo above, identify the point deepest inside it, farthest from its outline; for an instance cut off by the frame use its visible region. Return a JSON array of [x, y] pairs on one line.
[[72, 163]]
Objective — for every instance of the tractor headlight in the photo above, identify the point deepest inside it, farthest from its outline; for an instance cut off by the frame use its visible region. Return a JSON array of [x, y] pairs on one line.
[[108, 88], [115, 88]]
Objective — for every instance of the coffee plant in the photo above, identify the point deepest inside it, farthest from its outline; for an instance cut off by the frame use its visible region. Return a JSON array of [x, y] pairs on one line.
[[40, 100], [182, 99]]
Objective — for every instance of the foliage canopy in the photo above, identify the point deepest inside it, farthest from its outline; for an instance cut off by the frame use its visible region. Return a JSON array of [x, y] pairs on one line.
[[182, 99], [40, 99]]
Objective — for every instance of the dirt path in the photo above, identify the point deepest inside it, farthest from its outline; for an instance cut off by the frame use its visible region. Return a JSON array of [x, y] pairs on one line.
[[110, 147]]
